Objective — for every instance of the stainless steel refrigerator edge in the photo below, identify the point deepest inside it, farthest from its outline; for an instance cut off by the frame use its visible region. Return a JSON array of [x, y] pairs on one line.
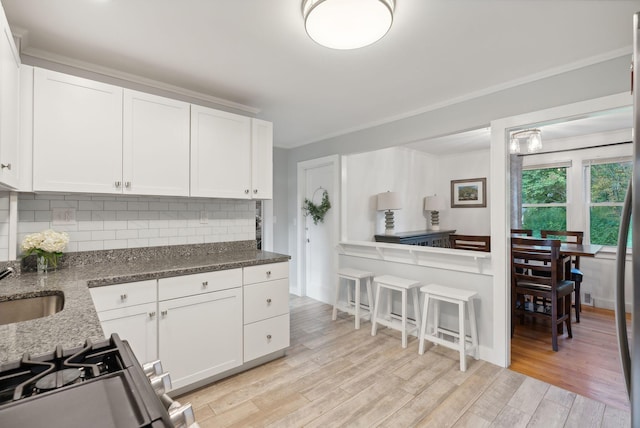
[[630, 355]]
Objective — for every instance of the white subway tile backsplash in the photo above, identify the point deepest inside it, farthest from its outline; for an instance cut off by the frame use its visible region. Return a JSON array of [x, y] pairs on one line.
[[103, 235], [36, 204], [126, 234], [91, 205], [126, 215], [125, 221], [138, 206], [115, 206], [90, 245], [57, 203]]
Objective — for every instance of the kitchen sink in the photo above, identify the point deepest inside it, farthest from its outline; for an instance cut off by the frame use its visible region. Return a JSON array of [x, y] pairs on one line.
[[30, 308]]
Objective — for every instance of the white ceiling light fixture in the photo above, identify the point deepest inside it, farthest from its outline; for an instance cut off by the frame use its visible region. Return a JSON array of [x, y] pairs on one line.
[[347, 24], [533, 137]]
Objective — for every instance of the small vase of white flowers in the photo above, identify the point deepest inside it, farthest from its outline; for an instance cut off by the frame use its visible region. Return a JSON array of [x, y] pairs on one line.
[[47, 247]]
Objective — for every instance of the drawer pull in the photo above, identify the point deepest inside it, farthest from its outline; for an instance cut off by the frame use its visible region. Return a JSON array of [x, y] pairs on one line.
[[164, 313], [205, 284], [152, 314], [268, 337], [123, 297], [268, 273], [269, 301]]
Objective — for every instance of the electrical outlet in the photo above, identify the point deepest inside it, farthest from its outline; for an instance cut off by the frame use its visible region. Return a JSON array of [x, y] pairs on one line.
[[63, 216], [204, 219]]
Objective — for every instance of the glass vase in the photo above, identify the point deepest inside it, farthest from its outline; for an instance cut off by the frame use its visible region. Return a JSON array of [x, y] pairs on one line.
[[43, 264]]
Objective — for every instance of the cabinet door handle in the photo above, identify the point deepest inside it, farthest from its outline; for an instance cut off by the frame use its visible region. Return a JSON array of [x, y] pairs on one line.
[[246, 191], [164, 313], [123, 297], [255, 191], [117, 183], [152, 314], [127, 184], [205, 284], [5, 165], [268, 337], [269, 301]]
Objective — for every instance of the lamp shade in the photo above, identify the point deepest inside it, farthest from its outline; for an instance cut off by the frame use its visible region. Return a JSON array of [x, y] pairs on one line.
[[389, 201], [347, 24], [434, 203]]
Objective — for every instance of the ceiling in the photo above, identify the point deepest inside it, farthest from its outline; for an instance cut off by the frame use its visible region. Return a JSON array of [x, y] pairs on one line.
[[256, 55]]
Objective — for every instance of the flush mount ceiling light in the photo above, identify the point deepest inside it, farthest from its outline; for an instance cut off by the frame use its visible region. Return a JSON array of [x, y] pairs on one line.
[[533, 137], [347, 24]]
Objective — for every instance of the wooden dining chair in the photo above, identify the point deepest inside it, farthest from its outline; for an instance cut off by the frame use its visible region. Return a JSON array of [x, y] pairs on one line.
[[537, 271], [576, 273], [521, 232], [471, 242]]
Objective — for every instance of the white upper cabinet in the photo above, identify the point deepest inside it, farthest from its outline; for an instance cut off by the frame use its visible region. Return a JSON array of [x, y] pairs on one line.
[[261, 159], [155, 145], [220, 154], [231, 155], [77, 134], [9, 105]]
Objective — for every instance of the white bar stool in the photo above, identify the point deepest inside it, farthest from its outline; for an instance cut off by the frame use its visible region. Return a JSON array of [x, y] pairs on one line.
[[394, 283], [357, 309], [459, 340]]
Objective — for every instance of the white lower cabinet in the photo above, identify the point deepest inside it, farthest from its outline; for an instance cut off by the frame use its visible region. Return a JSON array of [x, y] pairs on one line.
[[130, 309], [136, 324], [203, 324], [200, 336], [266, 309]]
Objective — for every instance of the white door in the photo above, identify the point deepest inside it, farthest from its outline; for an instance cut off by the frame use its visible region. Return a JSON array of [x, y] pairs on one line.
[[318, 241]]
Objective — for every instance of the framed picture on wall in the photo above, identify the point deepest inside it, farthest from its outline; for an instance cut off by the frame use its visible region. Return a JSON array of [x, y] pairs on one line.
[[469, 193]]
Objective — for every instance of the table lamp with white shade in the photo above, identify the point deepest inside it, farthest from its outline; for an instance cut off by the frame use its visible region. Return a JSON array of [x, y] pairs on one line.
[[387, 202], [435, 204]]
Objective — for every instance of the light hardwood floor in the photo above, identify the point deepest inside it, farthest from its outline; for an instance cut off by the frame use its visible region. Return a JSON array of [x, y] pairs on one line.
[[588, 364], [334, 376]]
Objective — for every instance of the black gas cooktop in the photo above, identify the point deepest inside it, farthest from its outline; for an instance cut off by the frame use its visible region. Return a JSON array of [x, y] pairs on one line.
[[99, 385]]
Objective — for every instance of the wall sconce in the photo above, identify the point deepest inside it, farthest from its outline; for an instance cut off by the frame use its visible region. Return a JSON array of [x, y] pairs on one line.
[[435, 204], [533, 137], [387, 202]]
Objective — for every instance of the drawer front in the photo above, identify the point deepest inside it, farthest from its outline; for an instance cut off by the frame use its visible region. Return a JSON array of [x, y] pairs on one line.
[[199, 283], [266, 300], [268, 272], [264, 337], [123, 295]]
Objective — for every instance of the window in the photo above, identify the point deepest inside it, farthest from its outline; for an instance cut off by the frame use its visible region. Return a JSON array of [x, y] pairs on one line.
[[607, 182], [544, 199]]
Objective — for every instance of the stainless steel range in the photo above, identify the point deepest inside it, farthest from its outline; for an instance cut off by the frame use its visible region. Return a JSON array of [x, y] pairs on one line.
[[100, 385]]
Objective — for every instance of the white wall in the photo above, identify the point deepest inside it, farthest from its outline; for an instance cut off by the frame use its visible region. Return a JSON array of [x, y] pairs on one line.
[[580, 84], [409, 172], [466, 221], [414, 174], [105, 222]]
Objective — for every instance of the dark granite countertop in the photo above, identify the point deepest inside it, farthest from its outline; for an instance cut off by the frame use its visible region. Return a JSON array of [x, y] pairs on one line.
[[78, 320]]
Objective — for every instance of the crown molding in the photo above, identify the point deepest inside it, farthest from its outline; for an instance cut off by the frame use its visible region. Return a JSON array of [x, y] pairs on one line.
[[29, 52]]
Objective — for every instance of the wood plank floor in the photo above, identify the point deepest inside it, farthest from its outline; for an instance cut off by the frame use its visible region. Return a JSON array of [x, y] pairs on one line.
[[336, 376], [588, 364]]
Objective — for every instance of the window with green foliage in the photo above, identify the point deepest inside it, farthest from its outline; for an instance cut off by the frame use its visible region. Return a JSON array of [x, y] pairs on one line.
[[607, 186], [544, 199]]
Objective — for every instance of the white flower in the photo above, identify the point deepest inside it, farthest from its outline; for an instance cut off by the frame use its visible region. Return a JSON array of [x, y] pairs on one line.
[[48, 240]]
